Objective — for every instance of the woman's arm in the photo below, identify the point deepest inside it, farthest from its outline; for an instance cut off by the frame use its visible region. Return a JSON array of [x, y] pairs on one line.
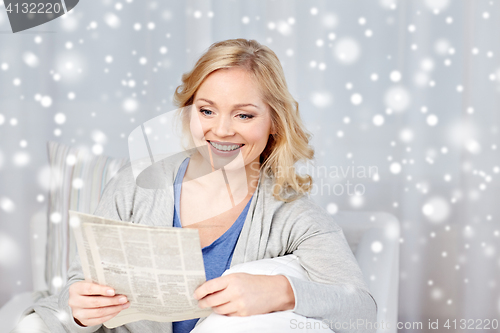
[[341, 301], [337, 293]]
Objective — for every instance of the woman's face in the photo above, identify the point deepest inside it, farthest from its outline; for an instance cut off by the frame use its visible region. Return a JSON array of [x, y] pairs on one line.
[[232, 119]]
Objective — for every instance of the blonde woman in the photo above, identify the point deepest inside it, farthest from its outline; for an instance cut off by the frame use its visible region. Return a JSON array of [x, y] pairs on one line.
[[236, 106]]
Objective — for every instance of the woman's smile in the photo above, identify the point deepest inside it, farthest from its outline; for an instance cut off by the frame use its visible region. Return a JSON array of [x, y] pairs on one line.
[[225, 148]]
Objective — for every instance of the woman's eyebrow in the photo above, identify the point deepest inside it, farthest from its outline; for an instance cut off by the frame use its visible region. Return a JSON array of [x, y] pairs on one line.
[[236, 105]]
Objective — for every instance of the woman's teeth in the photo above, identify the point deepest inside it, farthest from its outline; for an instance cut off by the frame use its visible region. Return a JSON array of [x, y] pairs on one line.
[[225, 148]]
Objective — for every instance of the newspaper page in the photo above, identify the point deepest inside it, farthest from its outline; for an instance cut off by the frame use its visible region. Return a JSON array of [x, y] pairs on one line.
[[75, 220], [157, 268]]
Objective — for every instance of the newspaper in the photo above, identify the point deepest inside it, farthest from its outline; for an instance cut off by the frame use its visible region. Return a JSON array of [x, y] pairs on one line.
[[157, 268]]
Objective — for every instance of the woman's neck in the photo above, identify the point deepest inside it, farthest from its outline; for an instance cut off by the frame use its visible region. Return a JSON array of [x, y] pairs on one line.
[[237, 176]]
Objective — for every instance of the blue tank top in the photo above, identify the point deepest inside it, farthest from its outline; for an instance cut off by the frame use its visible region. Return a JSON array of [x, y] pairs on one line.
[[216, 256]]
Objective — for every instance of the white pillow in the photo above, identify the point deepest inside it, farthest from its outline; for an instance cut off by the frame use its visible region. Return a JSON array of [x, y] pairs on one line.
[[281, 321]]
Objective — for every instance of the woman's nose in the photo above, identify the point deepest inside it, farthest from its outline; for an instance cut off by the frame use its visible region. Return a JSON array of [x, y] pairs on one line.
[[223, 127]]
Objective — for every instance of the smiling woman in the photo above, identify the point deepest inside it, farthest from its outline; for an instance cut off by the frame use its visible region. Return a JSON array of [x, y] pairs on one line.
[[239, 88], [241, 122], [235, 101]]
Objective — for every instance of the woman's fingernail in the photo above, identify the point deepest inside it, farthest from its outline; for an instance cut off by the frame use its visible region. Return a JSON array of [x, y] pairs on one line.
[[123, 300], [125, 305], [110, 292]]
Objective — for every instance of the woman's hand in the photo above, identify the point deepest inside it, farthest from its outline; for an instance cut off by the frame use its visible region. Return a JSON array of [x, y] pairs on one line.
[[242, 294], [93, 304]]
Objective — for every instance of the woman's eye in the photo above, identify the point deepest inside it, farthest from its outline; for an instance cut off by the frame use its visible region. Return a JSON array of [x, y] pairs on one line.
[[248, 116], [205, 110], [241, 116]]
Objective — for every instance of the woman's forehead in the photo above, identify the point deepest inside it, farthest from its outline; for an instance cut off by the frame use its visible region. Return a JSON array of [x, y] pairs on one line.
[[231, 84]]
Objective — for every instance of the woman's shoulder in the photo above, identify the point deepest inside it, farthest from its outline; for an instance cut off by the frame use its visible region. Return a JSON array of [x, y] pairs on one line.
[[307, 210], [155, 173], [135, 187]]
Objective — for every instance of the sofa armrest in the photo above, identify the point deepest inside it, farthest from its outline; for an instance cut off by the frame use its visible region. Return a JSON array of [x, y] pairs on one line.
[[11, 312]]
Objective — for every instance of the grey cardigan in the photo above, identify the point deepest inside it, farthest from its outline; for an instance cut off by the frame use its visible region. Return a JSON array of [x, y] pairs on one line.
[[336, 292]]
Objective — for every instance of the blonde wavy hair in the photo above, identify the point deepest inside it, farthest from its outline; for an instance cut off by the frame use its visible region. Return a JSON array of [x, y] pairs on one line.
[[290, 144]]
